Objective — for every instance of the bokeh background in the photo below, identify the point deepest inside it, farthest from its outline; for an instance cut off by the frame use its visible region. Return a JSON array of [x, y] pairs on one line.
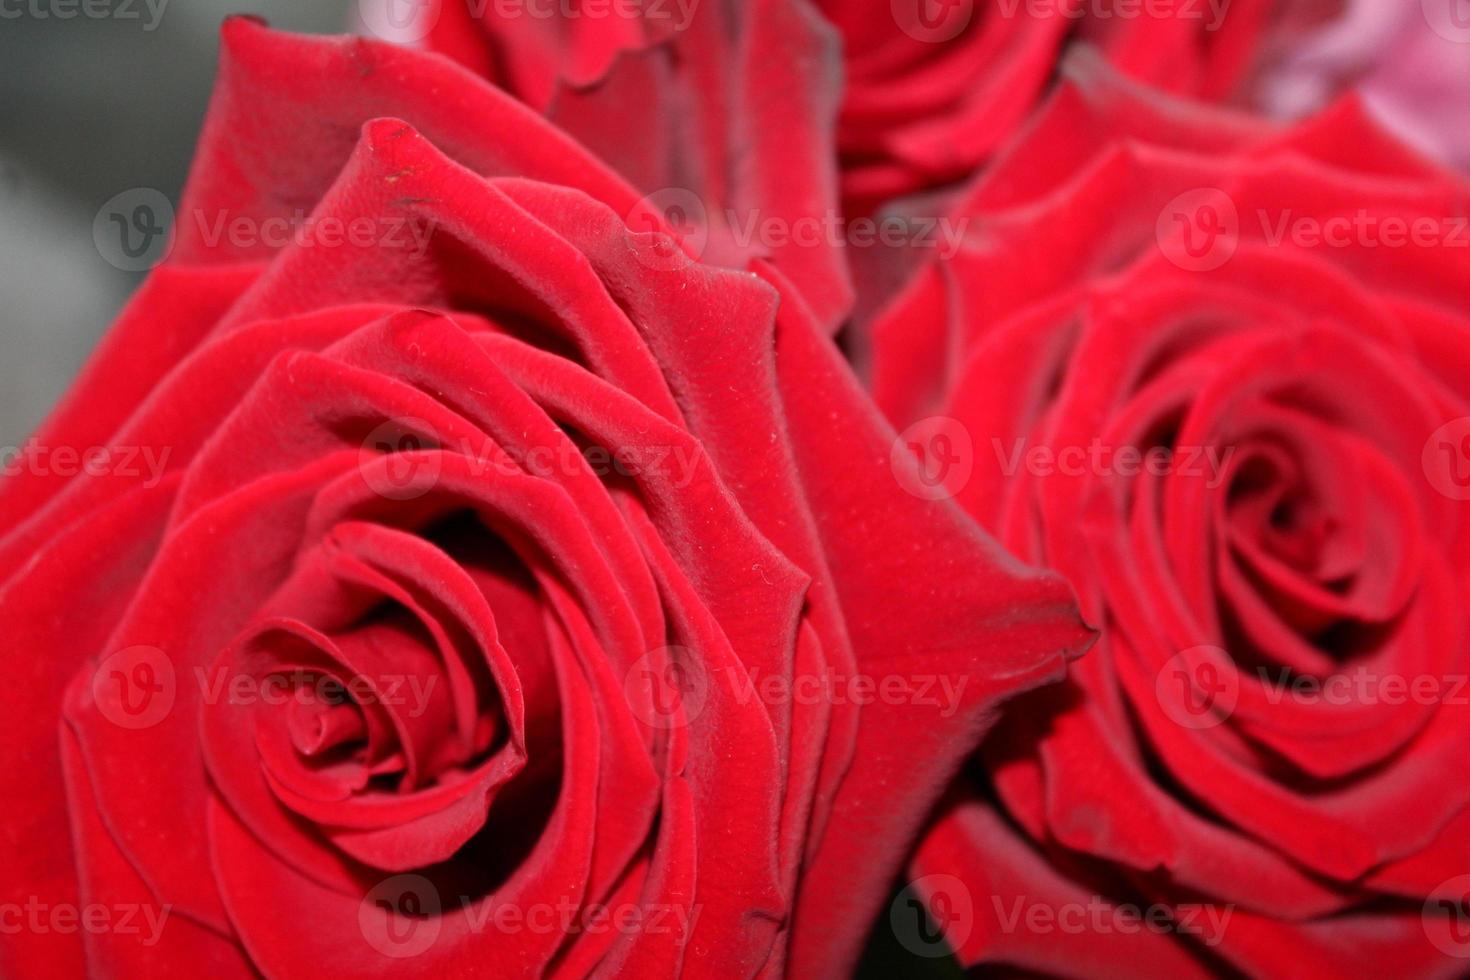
[[89, 108]]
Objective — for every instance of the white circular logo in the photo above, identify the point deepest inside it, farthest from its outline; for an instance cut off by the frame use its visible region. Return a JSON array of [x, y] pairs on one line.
[[400, 917], [667, 687], [1198, 688], [133, 231], [934, 458], [1450, 19], [135, 688], [678, 220], [400, 460], [933, 21], [1447, 917], [399, 21], [1447, 459], [933, 916], [1199, 230]]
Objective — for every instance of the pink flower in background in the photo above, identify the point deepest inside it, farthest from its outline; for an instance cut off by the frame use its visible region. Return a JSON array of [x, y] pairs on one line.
[[1410, 61]]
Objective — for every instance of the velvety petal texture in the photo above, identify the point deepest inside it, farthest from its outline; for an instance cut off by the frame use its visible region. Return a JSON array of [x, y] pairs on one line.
[[722, 112], [497, 590], [937, 87], [1214, 372]]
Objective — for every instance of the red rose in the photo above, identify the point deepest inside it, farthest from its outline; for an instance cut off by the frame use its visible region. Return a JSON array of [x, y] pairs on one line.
[[498, 602], [1216, 374], [936, 87]]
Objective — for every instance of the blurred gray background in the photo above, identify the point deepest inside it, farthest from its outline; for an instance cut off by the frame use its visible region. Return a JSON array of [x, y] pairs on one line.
[[90, 107]]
